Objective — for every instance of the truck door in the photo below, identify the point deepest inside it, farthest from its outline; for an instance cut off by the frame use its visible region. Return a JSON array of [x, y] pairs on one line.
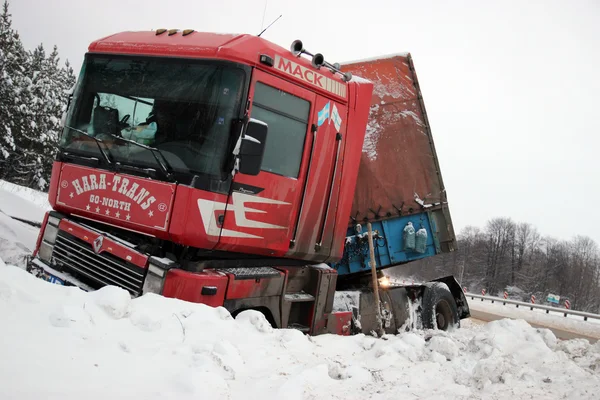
[[262, 210]]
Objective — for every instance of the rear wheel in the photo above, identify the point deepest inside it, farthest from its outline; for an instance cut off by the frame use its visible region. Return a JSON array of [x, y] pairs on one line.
[[439, 308]]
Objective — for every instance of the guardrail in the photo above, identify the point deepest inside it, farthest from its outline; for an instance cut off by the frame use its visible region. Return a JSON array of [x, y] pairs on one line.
[[517, 303]]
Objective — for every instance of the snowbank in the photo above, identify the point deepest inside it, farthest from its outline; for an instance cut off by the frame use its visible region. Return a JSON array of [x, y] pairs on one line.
[[62, 343], [590, 328], [17, 240], [23, 202]]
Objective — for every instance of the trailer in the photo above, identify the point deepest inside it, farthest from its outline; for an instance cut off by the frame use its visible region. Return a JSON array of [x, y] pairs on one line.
[[230, 171]]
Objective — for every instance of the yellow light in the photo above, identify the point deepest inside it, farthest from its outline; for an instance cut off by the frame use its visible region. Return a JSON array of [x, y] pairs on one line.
[[384, 281], [160, 31], [173, 31], [187, 32]]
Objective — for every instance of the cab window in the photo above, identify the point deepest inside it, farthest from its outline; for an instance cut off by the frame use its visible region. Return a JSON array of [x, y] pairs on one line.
[[287, 118]]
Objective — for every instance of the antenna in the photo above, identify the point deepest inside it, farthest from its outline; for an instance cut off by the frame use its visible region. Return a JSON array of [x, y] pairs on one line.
[[263, 31], [262, 24]]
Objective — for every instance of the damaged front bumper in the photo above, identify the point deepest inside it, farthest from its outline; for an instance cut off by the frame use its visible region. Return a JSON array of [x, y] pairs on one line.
[[41, 270]]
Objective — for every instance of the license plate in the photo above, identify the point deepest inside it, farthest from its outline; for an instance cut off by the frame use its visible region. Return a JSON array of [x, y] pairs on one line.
[[53, 279], [40, 273]]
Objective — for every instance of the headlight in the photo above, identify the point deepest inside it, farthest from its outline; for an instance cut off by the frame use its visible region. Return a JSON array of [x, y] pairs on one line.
[[50, 234], [155, 278], [51, 230], [384, 281], [45, 252]]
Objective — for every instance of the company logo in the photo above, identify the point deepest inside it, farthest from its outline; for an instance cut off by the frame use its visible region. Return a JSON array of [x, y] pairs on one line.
[[122, 185], [208, 208], [308, 75], [97, 244]]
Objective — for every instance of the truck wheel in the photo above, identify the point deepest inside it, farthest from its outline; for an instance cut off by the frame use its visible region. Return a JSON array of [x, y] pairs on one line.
[[439, 308]]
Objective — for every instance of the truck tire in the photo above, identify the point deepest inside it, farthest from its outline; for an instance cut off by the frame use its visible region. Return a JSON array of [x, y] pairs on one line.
[[439, 309]]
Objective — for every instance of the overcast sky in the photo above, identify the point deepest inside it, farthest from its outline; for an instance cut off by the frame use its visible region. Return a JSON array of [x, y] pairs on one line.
[[511, 88]]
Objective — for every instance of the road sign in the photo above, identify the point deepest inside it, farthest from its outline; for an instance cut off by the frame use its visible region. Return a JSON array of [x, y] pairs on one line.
[[552, 298], [567, 304]]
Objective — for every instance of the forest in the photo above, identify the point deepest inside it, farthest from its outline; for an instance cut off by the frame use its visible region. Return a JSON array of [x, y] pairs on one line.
[[515, 257], [34, 90]]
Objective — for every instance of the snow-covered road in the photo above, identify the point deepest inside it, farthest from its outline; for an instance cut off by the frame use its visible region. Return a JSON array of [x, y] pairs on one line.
[[564, 328], [62, 343]]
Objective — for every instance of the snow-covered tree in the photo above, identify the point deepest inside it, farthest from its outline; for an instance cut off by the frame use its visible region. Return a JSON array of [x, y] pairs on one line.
[[12, 67], [33, 97]]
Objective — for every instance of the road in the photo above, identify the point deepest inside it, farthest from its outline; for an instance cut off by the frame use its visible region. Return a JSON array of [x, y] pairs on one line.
[[559, 332]]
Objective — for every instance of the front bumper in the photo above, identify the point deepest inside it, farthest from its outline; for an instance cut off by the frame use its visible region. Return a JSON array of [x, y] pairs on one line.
[[41, 270]]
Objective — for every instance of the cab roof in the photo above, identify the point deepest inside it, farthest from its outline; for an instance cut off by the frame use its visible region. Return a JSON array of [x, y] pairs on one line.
[[242, 48], [195, 44]]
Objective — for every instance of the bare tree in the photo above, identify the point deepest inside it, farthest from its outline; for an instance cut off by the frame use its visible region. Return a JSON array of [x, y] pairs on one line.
[[500, 242], [514, 256]]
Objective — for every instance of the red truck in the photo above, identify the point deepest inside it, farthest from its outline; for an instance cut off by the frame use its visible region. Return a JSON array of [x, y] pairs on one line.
[[227, 170]]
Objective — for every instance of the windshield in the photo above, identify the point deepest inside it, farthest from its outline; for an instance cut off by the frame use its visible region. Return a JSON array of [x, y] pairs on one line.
[[183, 108]]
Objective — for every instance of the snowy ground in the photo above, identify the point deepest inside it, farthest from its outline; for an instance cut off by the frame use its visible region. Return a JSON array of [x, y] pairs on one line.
[[558, 314], [590, 328], [63, 343], [18, 239]]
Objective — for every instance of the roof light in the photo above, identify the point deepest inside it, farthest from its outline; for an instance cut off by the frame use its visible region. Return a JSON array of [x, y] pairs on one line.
[[173, 31], [187, 32], [160, 31], [265, 59]]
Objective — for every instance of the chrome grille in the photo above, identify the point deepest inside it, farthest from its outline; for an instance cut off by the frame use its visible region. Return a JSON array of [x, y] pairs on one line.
[[76, 257]]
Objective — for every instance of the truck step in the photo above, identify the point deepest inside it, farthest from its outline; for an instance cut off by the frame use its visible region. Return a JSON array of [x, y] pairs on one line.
[[251, 272], [301, 328], [299, 297]]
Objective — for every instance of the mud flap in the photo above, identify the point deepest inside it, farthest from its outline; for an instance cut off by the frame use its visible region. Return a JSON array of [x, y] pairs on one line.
[[461, 300]]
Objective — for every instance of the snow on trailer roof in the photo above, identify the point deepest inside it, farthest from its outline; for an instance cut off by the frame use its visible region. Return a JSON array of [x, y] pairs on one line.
[[375, 58], [399, 172], [359, 79]]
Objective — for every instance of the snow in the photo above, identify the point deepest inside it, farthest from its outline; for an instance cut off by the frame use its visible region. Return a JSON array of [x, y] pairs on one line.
[[32, 197], [413, 115], [359, 79], [382, 57], [421, 202], [105, 345], [372, 134], [17, 240], [589, 328], [64, 343]]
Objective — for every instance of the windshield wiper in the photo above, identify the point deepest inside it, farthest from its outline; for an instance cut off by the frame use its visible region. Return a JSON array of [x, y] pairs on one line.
[[98, 142], [166, 167]]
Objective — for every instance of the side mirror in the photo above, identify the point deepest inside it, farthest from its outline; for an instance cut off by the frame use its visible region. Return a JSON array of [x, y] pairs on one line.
[[252, 148]]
